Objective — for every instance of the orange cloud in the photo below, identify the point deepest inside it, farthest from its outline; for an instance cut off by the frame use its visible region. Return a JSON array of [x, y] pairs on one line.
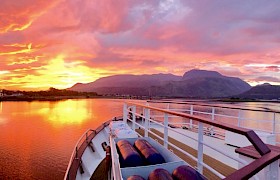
[[18, 16], [22, 49], [57, 73]]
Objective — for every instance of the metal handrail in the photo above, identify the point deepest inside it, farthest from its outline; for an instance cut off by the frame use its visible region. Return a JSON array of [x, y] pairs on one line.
[[240, 118], [213, 105], [189, 155], [74, 153], [262, 148], [250, 134], [221, 115], [82, 139], [208, 145]]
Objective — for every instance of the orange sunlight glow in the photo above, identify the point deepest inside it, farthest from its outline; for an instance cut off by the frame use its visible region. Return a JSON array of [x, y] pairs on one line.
[[60, 74], [66, 113], [28, 61], [4, 72]]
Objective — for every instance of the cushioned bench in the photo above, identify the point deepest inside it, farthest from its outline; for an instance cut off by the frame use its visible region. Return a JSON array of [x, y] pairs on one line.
[[129, 157], [183, 172], [148, 152]]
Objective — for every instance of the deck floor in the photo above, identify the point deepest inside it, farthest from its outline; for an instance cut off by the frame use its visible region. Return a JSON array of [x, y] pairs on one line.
[[100, 173], [219, 166]]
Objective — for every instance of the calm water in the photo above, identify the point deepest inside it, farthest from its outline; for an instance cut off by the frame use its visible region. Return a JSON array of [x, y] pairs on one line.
[[37, 138]]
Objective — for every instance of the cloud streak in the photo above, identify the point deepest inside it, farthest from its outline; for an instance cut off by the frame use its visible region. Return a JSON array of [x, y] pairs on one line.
[[57, 43]]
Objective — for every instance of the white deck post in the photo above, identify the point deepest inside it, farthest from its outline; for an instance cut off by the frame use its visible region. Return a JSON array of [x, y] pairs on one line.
[[274, 124], [133, 117], [239, 118], [143, 118], [125, 112], [213, 119], [165, 130], [147, 117], [200, 148], [191, 112], [168, 106], [273, 173], [213, 113]]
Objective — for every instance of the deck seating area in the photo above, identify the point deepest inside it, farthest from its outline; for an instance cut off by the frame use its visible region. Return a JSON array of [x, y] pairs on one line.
[[180, 173], [156, 160], [219, 166]]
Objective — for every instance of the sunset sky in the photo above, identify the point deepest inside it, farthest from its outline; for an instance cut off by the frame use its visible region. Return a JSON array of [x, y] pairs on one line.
[[57, 43]]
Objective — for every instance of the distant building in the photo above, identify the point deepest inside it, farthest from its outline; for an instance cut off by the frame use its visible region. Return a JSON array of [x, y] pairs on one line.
[[16, 94], [1, 93]]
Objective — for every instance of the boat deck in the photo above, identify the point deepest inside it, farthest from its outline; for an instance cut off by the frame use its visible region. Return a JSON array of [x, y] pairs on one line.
[[219, 166], [197, 149], [100, 173]]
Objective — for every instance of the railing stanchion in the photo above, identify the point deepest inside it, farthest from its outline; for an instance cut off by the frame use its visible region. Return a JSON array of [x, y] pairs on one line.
[[168, 106], [143, 114], [239, 118], [76, 155], [125, 112], [133, 117], [165, 130], [147, 119], [191, 113], [213, 113], [149, 116], [274, 123], [200, 148], [213, 119]]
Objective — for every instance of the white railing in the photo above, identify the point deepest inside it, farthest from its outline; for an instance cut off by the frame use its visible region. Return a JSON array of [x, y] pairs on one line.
[[267, 121], [74, 154], [115, 160], [133, 111]]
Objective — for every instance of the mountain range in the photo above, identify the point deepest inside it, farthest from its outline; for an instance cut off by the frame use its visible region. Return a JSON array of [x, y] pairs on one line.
[[264, 91], [193, 84]]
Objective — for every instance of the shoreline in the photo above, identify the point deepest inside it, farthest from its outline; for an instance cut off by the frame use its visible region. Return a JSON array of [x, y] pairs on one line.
[[43, 98], [60, 98], [247, 100]]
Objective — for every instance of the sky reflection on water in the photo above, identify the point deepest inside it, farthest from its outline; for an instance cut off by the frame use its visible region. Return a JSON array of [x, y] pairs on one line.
[[37, 138], [68, 112]]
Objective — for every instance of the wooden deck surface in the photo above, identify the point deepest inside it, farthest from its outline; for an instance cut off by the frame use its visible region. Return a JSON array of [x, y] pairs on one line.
[[100, 173], [215, 164]]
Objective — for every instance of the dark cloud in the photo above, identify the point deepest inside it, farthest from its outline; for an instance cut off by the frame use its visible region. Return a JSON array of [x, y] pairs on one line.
[[273, 68], [267, 79]]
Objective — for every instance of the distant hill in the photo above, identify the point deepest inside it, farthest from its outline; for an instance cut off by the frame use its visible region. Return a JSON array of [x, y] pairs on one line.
[[194, 83], [265, 91], [195, 73], [126, 84]]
